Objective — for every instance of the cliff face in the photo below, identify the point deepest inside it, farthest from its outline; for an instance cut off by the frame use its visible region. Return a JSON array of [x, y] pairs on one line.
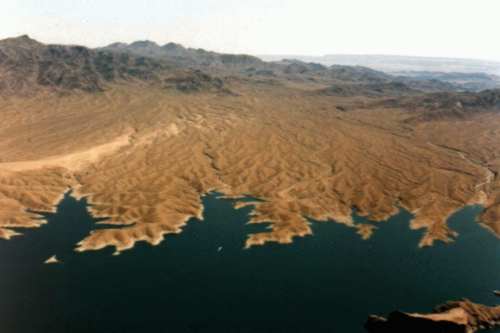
[[456, 316]]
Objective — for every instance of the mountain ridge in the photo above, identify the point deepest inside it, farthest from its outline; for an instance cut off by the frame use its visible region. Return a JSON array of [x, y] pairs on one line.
[[27, 66]]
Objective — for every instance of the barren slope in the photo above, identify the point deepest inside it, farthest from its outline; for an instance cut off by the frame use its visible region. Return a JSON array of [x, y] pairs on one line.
[[144, 156]]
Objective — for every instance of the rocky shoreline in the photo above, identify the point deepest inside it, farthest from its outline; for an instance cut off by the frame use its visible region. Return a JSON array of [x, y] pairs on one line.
[[454, 316]]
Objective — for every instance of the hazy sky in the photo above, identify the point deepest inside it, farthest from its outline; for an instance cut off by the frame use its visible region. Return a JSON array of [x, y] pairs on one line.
[[453, 28]]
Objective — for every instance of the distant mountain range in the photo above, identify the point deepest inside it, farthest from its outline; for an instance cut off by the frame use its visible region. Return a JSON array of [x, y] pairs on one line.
[[400, 64], [184, 56], [27, 66], [469, 74]]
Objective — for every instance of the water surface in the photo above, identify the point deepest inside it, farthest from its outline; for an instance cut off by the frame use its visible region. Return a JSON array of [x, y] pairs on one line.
[[202, 280]]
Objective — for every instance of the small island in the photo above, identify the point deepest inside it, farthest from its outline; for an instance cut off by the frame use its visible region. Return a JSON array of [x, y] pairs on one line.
[[52, 260]]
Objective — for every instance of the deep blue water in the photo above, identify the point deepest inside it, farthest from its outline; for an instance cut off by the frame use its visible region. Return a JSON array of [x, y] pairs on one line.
[[329, 282]]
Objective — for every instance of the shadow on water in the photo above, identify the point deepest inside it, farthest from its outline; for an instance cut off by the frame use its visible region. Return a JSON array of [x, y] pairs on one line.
[[202, 280]]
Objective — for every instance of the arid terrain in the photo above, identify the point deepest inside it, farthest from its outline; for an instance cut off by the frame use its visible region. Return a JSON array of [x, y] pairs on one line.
[[145, 135]]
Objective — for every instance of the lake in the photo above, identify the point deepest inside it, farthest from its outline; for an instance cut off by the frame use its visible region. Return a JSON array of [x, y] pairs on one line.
[[202, 280]]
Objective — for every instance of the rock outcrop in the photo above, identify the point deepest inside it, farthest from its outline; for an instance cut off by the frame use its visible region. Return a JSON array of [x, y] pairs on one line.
[[451, 317]]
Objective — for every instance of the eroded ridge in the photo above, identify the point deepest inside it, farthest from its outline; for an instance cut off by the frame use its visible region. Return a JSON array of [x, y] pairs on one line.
[[145, 156]]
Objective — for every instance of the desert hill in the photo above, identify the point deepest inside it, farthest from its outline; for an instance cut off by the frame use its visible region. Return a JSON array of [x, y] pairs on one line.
[[145, 136]]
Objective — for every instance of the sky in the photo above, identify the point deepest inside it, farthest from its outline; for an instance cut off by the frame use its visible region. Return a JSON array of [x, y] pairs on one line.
[[442, 28]]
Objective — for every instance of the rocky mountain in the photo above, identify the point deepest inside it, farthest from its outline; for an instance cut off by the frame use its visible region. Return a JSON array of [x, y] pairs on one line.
[[246, 64], [27, 66], [186, 57], [352, 74]]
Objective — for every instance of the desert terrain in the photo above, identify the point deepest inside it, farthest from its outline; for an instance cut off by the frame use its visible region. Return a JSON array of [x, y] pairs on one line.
[[144, 138]]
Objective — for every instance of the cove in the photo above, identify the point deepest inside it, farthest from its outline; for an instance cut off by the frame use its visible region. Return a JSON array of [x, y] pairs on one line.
[[202, 280]]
